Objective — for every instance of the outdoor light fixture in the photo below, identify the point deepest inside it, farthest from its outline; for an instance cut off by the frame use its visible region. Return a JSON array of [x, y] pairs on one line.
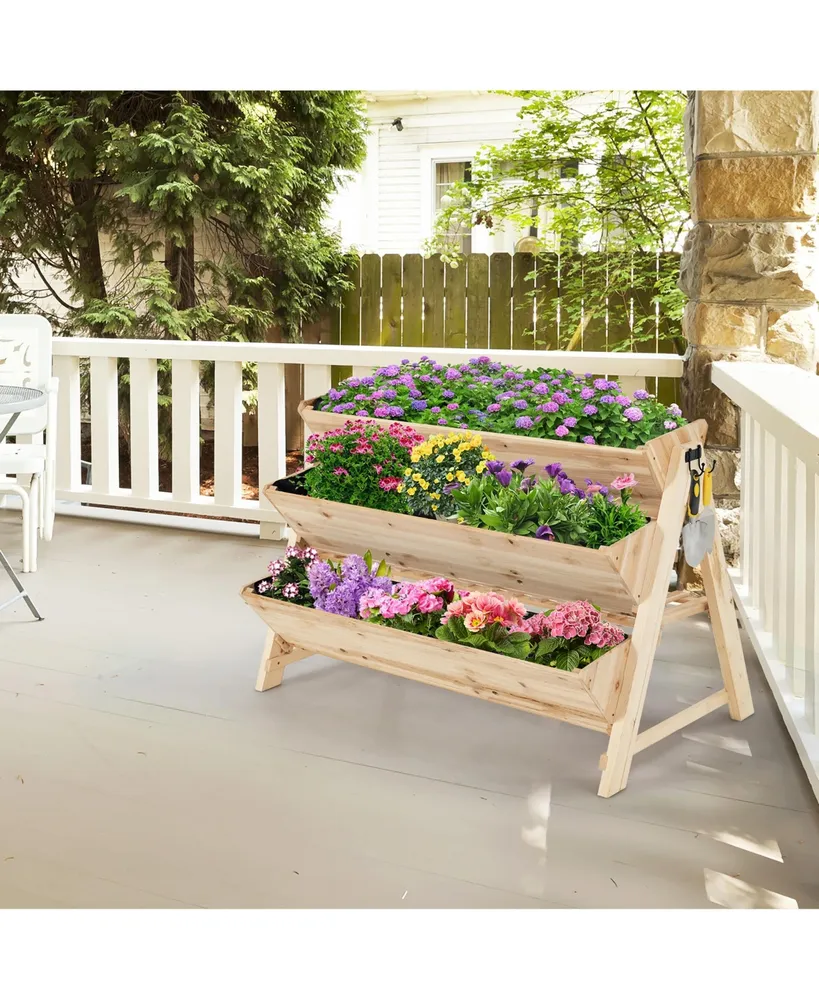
[[398, 124]]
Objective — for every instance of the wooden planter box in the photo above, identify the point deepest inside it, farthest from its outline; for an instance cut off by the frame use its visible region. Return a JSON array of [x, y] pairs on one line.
[[649, 463], [615, 578], [586, 697]]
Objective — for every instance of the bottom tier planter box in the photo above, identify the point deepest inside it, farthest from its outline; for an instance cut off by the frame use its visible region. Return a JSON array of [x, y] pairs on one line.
[[585, 697]]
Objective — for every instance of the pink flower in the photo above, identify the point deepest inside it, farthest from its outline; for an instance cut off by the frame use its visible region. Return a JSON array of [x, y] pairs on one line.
[[475, 621], [561, 431], [389, 483], [491, 605], [336, 447], [438, 585], [457, 609], [625, 482], [338, 471], [572, 620], [513, 612], [429, 603]]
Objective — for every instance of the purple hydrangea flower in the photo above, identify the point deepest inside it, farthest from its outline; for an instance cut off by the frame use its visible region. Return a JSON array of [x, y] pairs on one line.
[[396, 411], [452, 374], [389, 394], [601, 384], [634, 414], [435, 409], [560, 397], [540, 389], [419, 404], [442, 421], [520, 404], [360, 397], [448, 394], [424, 378], [587, 392], [335, 394], [524, 423], [670, 425], [607, 399], [493, 408], [589, 410], [561, 431], [674, 410], [588, 439], [361, 413], [570, 422], [452, 406], [641, 394], [550, 407], [392, 370], [382, 411], [623, 400]]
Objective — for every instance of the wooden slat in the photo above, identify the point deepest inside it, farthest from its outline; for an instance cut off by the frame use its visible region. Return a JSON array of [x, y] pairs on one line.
[[391, 300], [669, 333], [104, 425], [455, 305], [684, 607], [227, 433], [144, 427], [500, 301], [350, 318], [477, 301], [185, 418], [69, 470], [371, 299], [547, 298], [523, 286], [272, 442], [413, 285], [433, 301], [682, 719]]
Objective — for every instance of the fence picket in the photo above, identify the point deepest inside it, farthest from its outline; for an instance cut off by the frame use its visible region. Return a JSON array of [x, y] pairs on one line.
[[500, 301], [546, 303], [391, 300], [371, 299], [477, 301], [433, 302], [523, 287], [455, 305], [413, 285]]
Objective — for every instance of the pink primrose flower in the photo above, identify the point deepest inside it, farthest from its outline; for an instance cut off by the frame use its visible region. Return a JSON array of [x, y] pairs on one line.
[[625, 482]]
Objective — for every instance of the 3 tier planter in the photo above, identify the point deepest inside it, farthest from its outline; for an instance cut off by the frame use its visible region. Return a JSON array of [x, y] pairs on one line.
[[628, 580]]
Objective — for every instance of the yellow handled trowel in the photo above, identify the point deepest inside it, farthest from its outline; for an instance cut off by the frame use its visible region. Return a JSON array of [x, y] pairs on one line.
[[700, 528]]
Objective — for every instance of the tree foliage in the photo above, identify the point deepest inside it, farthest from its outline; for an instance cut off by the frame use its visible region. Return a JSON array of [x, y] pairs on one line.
[[173, 214], [602, 177]]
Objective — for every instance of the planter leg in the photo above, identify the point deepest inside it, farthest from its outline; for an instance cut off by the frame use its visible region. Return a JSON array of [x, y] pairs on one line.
[[726, 633], [648, 623], [277, 653]]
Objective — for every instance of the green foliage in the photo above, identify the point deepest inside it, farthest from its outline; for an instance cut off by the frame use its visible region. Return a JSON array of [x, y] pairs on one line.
[[495, 638], [608, 521], [565, 654], [599, 173], [175, 214]]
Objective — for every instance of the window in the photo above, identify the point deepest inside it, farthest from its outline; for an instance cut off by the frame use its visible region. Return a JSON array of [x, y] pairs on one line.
[[447, 174]]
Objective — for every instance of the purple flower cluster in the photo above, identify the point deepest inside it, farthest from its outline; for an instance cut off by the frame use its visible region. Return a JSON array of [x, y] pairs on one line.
[[489, 396], [338, 589]]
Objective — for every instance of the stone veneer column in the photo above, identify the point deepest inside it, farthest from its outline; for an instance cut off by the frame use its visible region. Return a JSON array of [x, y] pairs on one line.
[[749, 263]]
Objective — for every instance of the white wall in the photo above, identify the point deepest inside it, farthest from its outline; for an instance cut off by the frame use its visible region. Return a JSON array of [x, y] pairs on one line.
[[389, 209]]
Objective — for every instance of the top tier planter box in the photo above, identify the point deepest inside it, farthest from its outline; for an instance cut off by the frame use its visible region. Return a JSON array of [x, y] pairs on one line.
[[650, 463]]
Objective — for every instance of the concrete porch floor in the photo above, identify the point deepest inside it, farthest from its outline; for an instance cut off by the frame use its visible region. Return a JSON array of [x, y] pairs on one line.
[[139, 768]]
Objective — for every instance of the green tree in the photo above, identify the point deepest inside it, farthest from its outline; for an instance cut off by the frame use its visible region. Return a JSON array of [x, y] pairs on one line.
[[603, 178], [174, 214]]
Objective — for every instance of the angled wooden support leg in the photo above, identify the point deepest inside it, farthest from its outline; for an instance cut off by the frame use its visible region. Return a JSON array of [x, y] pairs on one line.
[[648, 623], [277, 653], [726, 632]]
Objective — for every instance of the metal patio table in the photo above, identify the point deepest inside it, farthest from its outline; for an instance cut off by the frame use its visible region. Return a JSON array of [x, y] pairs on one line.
[[13, 400]]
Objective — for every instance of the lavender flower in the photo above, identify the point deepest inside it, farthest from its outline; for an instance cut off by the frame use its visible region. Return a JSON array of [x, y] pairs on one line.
[[504, 477], [448, 394], [520, 404], [670, 425], [561, 431], [589, 410], [545, 532], [524, 423], [553, 470], [588, 439], [493, 408], [520, 464], [641, 394], [623, 400], [570, 422], [494, 466], [560, 397], [550, 407], [607, 399], [674, 410], [452, 374], [419, 404], [587, 392]]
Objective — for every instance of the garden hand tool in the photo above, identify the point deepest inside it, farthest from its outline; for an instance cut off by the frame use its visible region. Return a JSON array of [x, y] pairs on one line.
[[700, 528]]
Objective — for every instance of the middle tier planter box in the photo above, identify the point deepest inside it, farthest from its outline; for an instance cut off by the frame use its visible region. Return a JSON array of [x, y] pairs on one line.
[[616, 578], [648, 463], [586, 697]]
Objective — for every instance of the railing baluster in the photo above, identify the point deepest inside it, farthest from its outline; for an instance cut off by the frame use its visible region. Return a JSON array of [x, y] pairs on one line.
[[185, 418], [227, 433], [69, 472], [104, 425], [811, 633], [770, 516], [746, 474], [757, 520], [317, 380], [784, 646], [800, 583], [144, 428], [272, 439], [777, 574]]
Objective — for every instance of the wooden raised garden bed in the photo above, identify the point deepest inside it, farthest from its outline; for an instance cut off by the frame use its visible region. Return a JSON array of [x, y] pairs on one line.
[[586, 697], [629, 579], [649, 463]]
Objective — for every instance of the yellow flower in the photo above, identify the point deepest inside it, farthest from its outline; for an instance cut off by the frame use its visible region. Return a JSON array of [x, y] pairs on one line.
[[435, 496], [435, 506], [449, 477], [480, 466], [439, 459], [460, 519], [407, 472], [460, 475], [399, 488], [416, 476], [486, 453], [411, 491]]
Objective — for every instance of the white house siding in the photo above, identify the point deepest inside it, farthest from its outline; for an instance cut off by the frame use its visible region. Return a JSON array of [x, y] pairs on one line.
[[389, 208]]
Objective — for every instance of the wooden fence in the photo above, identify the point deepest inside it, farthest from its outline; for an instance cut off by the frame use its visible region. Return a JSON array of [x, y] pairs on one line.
[[503, 301]]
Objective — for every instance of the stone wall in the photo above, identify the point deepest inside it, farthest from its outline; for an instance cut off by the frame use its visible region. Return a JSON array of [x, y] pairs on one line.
[[749, 263]]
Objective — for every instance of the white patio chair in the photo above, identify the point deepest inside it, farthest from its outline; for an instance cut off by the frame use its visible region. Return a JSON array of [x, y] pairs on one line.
[[25, 359]]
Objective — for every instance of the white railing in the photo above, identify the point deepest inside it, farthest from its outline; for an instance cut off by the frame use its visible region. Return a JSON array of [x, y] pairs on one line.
[[777, 583], [270, 360]]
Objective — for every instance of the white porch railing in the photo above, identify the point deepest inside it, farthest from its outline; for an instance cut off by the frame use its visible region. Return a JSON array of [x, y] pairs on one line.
[[777, 584], [270, 359]]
